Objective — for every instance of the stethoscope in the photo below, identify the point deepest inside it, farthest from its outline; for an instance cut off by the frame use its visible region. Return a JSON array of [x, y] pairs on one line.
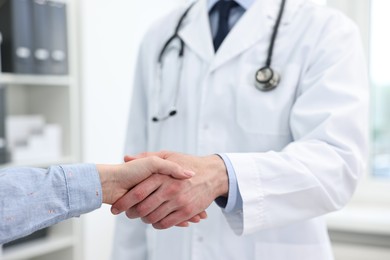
[[266, 78]]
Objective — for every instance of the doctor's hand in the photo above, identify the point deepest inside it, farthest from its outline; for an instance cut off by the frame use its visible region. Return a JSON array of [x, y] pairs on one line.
[[165, 202], [117, 180]]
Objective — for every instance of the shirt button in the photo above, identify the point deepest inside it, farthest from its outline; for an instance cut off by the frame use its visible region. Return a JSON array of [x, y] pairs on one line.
[[200, 239], [206, 127]]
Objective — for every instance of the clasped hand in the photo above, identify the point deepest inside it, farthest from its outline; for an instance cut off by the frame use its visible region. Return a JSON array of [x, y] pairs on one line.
[[165, 201]]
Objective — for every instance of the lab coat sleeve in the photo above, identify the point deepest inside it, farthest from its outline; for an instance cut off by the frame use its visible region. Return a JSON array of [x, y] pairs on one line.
[[316, 173], [130, 235]]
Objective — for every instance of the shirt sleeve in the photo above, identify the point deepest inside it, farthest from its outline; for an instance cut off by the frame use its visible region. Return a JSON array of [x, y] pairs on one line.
[[233, 202], [33, 198]]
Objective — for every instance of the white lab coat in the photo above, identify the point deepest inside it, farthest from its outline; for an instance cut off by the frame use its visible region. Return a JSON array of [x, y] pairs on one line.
[[297, 151]]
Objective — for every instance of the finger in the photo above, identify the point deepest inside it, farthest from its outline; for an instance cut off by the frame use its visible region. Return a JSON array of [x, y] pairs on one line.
[[136, 195], [174, 218], [195, 219], [165, 167], [160, 213], [145, 207], [183, 224], [203, 215], [129, 158], [157, 216], [198, 218], [161, 154], [147, 154]]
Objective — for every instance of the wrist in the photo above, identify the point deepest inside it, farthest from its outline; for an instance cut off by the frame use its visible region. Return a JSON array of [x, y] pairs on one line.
[[221, 180], [107, 180]]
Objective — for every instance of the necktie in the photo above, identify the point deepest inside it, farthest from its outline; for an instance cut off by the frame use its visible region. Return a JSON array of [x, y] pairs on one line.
[[223, 8]]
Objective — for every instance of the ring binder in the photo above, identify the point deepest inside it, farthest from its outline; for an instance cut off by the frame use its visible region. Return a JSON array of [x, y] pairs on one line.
[[16, 27], [58, 37], [3, 141], [35, 36], [41, 37]]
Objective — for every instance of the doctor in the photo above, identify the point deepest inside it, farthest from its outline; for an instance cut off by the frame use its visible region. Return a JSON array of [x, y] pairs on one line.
[[293, 140]]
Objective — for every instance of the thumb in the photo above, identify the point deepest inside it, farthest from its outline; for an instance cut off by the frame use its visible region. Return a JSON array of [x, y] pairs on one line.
[[166, 167], [129, 158]]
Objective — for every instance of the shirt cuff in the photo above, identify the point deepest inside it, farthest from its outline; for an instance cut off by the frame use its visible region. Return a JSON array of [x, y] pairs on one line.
[[233, 202], [83, 187]]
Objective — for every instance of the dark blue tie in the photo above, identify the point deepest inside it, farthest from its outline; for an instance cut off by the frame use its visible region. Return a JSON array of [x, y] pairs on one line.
[[223, 8]]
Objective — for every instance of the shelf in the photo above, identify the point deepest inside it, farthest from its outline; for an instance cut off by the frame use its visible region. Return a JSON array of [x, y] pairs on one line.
[[58, 99], [40, 164], [34, 80], [37, 248]]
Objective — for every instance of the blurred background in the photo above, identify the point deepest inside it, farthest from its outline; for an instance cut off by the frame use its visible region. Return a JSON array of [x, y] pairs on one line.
[[70, 93]]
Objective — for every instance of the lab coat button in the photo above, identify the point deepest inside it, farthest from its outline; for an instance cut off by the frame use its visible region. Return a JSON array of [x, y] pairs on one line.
[[205, 127], [200, 239]]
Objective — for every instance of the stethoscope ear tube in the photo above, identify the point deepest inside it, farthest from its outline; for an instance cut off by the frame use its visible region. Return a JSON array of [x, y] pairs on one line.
[[266, 78]]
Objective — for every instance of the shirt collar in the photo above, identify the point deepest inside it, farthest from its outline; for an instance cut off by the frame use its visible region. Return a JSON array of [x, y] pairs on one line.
[[243, 3]]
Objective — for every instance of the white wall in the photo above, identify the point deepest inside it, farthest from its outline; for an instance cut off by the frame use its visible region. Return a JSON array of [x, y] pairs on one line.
[[110, 32]]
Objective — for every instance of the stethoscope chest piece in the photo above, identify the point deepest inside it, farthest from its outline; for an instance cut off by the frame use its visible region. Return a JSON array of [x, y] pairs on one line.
[[266, 79]]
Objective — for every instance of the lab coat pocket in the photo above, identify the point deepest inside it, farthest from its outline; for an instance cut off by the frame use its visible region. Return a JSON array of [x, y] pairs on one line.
[[267, 112], [292, 252]]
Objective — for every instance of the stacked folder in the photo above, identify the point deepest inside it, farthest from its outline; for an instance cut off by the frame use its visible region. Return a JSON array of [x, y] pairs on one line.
[[3, 143], [34, 36]]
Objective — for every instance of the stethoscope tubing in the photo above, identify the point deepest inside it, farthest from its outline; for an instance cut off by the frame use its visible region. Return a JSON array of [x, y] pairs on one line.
[[274, 34], [176, 36], [265, 85]]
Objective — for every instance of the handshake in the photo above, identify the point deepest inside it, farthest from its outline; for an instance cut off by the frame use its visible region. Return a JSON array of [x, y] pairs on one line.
[[164, 189]]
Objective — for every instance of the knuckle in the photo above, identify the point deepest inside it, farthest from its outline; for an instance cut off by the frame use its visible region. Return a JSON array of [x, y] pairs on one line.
[[139, 195], [187, 211], [154, 161], [144, 154], [172, 189], [178, 168], [164, 153], [181, 201]]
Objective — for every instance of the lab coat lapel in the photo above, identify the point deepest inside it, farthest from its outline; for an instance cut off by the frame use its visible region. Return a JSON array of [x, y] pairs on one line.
[[254, 26], [196, 32]]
